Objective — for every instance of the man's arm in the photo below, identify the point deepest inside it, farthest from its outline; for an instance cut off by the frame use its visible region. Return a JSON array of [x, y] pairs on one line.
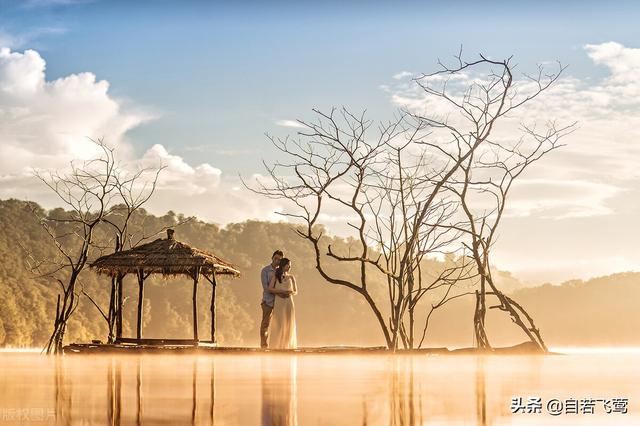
[[273, 290], [266, 282]]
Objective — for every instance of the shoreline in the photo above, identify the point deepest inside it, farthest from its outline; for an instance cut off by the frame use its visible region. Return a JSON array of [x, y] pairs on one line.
[[526, 348]]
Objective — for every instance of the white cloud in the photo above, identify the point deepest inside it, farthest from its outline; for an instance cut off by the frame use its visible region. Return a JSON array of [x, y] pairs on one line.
[[623, 62], [7, 39], [46, 124], [402, 74], [560, 199], [179, 174], [604, 148], [49, 3], [289, 123], [16, 40], [227, 152]]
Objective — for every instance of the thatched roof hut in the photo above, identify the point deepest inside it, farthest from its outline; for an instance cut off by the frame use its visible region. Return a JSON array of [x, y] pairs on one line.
[[168, 257]]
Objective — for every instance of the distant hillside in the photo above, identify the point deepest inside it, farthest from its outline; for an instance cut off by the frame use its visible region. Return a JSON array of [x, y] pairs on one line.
[[599, 312], [596, 312]]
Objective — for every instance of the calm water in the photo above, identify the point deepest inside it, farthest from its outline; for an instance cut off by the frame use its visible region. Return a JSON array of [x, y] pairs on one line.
[[314, 389]]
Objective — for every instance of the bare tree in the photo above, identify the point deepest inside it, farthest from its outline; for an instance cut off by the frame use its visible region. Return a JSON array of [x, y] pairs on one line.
[[496, 171], [133, 192], [88, 191], [398, 188], [102, 198], [475, 107], [386, 189], [396, 200]]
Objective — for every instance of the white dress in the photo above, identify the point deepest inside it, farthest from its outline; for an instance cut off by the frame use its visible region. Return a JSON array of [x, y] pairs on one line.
[[282, 333]]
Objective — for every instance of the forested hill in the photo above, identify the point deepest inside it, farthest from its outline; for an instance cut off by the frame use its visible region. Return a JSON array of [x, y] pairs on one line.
[[602, 311]]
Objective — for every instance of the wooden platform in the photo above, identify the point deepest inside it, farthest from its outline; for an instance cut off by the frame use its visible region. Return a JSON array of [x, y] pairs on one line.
[[162, 342], [151, 346]]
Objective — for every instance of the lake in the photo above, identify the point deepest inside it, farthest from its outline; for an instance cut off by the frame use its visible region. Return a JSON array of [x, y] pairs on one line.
[[578, 388]]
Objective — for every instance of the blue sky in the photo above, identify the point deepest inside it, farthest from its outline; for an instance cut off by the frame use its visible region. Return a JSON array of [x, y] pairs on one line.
[[197, 84], [220, 75]]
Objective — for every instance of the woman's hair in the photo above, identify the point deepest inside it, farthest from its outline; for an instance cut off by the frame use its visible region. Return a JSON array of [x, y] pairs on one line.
[[280, 270]]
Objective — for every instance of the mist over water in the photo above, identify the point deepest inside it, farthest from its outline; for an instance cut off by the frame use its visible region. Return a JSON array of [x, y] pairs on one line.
[[290, 389]]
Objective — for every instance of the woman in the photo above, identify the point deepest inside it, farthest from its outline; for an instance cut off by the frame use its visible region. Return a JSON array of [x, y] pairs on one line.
[[283, 321]]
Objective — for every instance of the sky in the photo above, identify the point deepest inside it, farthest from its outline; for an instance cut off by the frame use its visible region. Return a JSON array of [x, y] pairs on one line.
[[196, 85]]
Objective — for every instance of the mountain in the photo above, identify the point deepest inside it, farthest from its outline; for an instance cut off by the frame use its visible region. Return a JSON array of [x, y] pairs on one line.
[[600, 311]]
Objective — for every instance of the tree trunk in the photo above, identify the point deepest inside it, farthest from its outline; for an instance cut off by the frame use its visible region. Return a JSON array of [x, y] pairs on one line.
[[478, 321], [113, 302], [113, 306]]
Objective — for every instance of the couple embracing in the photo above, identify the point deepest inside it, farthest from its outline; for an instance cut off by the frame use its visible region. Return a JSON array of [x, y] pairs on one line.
[[278, 327]]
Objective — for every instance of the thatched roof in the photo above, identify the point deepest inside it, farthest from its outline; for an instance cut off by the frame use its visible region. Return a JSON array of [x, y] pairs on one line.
[[165, 256]]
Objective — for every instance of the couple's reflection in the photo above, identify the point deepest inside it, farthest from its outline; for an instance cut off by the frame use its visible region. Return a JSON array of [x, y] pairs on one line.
[[279, 390]]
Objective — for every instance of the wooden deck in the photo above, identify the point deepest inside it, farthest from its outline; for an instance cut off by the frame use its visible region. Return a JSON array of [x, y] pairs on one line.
[[151, 346]]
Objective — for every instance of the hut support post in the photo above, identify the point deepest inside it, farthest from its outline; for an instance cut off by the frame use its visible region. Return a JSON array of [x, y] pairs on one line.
[[119, 291], [112, 318], [213, 306], [140, 299], [196, 273]]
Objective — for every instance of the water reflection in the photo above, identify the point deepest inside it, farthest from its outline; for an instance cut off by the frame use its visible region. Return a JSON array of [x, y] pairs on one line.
[[114, 392], [306, 389], [278, 381], [139, 391], [279, 398], [406, 403], [119, 389], [194, 390], [63, 395], [212, 386], [481, 391]]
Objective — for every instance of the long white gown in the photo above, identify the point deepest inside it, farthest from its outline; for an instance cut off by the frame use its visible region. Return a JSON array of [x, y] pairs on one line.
[[283, 321]]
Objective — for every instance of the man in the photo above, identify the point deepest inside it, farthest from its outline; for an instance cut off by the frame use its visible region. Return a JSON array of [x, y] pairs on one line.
[[269, 296]]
